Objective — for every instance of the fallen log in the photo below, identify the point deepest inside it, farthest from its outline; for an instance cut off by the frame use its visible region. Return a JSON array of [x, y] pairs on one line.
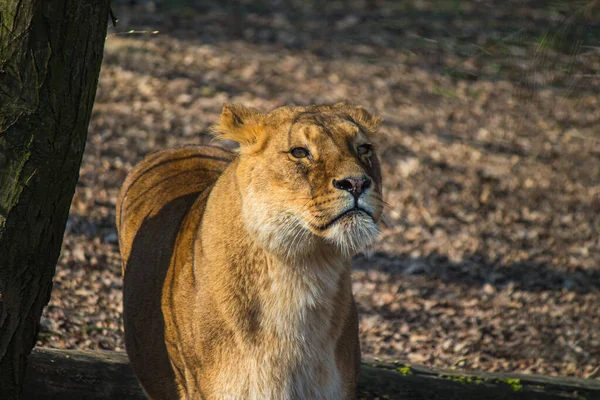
[[102, 375]]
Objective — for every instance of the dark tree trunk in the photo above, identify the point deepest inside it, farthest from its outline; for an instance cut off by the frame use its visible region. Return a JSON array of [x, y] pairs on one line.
[[50, 56]]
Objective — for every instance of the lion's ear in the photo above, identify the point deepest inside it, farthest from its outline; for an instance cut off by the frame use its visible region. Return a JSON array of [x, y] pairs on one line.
[[238, 123], [363, 118]]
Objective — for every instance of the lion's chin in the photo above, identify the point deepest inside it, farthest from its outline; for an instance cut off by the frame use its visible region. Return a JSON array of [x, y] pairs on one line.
[[292, 238], [352, 233]]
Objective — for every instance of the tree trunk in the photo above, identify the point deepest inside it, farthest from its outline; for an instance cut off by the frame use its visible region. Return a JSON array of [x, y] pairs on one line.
[[50, 56]]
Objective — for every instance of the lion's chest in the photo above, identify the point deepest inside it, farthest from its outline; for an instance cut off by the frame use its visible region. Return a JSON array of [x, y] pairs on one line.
[[295, 356], [268, 377]]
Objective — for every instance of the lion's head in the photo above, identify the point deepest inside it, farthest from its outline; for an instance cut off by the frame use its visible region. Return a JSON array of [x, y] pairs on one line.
[[308, 176]]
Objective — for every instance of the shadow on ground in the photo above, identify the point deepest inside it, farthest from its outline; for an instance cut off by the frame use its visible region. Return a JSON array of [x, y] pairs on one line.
[[476, 271]]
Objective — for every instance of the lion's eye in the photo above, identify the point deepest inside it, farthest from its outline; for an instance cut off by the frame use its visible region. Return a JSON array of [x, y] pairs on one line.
[[364, 150], [299, 152]]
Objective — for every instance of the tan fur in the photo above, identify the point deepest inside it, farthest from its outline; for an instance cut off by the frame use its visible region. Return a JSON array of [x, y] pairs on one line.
[[237, 266]]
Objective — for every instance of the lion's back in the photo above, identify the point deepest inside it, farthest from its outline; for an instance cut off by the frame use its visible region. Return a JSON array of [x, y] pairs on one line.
[[152, 204], [162, 178]]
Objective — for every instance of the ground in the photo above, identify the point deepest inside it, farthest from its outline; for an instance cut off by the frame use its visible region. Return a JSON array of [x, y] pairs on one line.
[[490, 150]]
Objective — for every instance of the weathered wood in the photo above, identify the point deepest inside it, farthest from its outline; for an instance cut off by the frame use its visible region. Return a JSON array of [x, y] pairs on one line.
[[50, 57], [71, 374], [77, 375], [416, 382]]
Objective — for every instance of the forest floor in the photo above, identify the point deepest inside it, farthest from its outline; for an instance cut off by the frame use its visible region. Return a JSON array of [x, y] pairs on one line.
[[490, 153]]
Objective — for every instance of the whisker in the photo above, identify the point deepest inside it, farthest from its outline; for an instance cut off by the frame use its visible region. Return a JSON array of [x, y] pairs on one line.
[[385, 203]]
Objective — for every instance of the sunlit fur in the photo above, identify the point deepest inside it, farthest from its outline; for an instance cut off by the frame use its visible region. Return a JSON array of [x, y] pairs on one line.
[[286, 217], [237, 266]]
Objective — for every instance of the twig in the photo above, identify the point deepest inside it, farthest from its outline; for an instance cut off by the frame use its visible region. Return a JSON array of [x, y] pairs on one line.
[[113, 17]]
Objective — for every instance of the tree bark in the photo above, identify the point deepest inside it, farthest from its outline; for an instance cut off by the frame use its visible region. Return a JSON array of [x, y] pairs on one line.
[[104, 375], [50, 56]]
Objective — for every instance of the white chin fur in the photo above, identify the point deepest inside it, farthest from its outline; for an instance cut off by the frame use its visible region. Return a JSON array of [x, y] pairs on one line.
[[278, 233], [353, 234], [289, 236]]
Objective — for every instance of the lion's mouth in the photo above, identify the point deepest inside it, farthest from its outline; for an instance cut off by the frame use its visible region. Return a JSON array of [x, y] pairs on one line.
[[348, 213]]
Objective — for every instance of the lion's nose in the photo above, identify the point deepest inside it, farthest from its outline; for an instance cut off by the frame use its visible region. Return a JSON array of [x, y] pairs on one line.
[[353, 184]]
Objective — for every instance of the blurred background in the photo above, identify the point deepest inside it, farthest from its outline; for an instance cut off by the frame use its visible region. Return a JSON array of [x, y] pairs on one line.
[[490, 152]]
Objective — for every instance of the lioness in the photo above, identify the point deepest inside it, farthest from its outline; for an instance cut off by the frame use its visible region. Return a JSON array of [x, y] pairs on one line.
[[237, 266]]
